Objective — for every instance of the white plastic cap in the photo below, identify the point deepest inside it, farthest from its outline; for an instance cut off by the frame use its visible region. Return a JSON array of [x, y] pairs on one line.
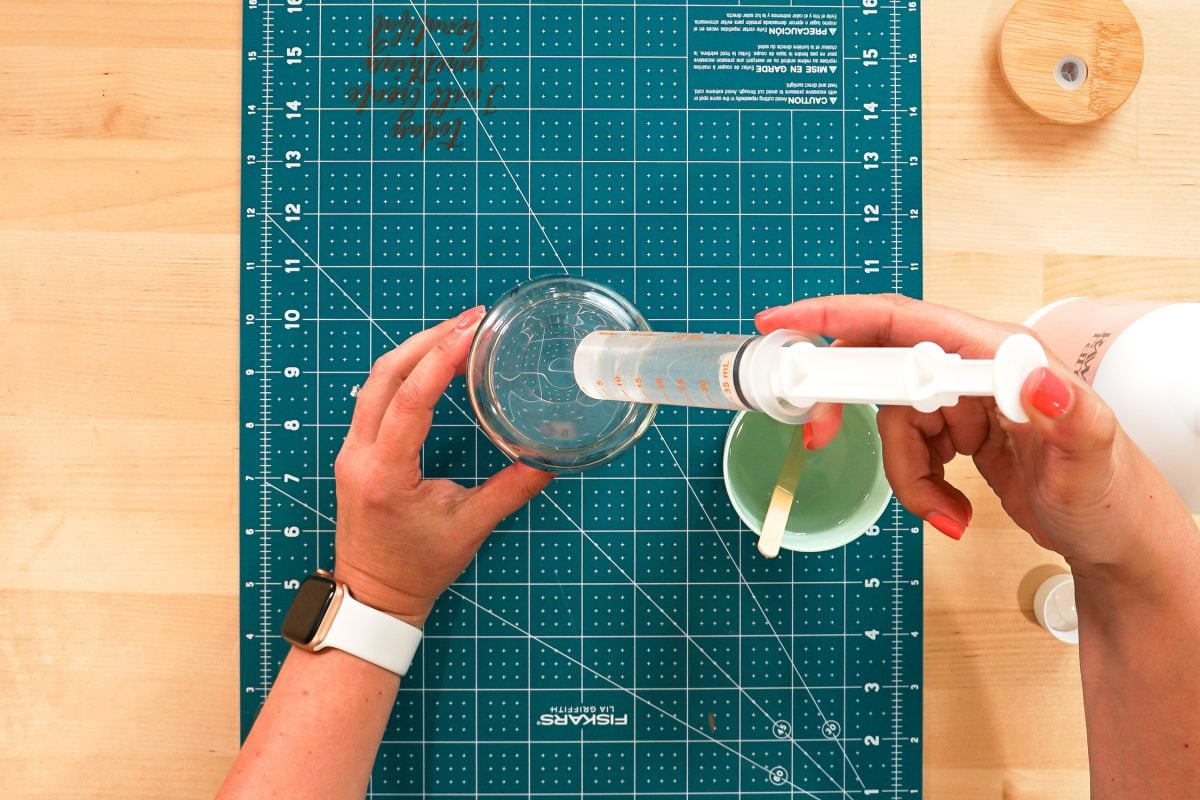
[[1054, 607]]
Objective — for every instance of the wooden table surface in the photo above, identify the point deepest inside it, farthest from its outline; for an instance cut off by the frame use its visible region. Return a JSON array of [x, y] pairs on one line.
[[119, 154]]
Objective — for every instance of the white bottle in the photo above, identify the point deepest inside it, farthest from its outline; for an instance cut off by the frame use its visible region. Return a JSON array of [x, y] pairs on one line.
[[1142, 359]]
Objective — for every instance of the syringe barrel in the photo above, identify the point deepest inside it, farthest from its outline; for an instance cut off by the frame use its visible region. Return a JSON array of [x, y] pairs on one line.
[[702, 370], [684, 369]]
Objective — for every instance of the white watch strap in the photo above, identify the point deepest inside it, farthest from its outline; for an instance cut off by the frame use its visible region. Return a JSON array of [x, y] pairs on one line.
[[372, 635]]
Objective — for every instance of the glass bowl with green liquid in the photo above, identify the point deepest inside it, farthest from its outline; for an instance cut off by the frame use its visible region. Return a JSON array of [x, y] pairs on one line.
[[842, 489]]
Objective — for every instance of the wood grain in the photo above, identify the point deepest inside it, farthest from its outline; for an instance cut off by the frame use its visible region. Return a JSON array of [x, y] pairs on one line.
[[118, 419], [1100, 38]]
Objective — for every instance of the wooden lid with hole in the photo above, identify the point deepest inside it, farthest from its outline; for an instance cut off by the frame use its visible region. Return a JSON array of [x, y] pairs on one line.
[[1072, 61]]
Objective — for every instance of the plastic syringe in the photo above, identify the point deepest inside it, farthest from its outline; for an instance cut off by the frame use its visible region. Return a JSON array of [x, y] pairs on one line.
[[792, 377]]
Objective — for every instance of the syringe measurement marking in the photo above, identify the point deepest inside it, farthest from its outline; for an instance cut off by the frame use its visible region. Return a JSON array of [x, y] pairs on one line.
[[727, 377], [620, 382], [682, 384], [639, 388], [636, 391]]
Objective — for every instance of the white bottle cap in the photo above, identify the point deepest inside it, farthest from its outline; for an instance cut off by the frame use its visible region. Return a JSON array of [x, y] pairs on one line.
[[1054, 607]]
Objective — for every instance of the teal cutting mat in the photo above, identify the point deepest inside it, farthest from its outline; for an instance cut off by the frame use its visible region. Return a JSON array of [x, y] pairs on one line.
[[621, 637]]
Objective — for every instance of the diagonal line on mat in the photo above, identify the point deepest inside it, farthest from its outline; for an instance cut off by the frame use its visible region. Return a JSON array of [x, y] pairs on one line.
[[633, 694], [750, 589], [568, 517], [571, 658], [492, 142], [690, 640], [336, 285], [687, 637], [300, 502]]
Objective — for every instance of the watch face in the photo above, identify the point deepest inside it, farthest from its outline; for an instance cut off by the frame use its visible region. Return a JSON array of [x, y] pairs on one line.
[[308, 609]]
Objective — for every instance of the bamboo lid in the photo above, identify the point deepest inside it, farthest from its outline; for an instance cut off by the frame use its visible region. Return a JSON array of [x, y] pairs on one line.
[[1071, 61]]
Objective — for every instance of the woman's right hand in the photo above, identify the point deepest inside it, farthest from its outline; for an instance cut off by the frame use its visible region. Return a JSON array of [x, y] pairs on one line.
[[1071, 477]]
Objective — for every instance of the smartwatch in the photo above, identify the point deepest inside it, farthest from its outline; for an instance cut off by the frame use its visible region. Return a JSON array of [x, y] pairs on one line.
[[323, 614]]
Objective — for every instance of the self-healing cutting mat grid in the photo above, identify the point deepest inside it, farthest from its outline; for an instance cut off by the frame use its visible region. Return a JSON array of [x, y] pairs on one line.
[[620, 637]]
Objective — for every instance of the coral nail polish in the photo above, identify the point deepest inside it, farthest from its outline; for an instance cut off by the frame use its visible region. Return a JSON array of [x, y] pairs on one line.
[[946, 525], [469, 317], [1050, 394], [808, 436]]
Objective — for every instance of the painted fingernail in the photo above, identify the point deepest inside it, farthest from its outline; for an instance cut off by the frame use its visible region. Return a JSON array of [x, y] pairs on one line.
[[808, 436], [765, 313], [1050, 395], [469, 317], [946, 525]]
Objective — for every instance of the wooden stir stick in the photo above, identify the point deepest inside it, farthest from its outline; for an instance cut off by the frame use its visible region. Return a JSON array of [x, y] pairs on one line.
[[780, 508]]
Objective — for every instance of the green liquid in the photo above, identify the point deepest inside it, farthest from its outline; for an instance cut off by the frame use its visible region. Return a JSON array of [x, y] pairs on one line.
[[837, 479]]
